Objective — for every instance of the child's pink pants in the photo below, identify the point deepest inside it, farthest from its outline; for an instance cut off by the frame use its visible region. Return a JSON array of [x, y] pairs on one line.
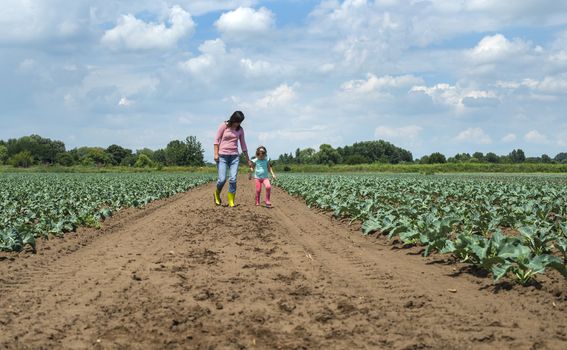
[[268, 186]]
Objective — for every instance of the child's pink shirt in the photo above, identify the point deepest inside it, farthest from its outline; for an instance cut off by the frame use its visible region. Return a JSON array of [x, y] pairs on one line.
[[227, 139]]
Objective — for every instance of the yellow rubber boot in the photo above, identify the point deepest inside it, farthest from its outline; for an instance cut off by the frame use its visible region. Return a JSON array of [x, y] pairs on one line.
[[216, 194], [230, 199]]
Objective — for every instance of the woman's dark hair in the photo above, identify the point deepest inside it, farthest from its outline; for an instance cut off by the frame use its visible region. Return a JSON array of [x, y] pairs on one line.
[[236, 117]]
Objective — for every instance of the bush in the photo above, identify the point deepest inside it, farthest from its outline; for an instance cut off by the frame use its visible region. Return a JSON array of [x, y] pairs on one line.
[[23, 159], [143, 161], [65, 159], [287, 168]]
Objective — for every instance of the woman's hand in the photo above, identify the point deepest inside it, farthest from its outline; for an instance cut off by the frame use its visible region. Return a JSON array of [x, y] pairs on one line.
[[216, 158]]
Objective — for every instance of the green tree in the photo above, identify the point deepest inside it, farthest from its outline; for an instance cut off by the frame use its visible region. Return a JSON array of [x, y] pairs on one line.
[[328, 155], [561, 157], [491, 157], [143, 161], [195, 152], [545, 158], [517, 156], [24, 159], [479, 156], [159, 157], [43, 150], [118, 154], [436, 158], [355, 159], [65, 159], [306, 156], [96, 156], [3, 154], [176, 153], [425, 160], [462, 157]]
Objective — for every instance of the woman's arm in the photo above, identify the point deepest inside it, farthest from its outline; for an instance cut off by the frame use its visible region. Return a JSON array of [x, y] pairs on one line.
[[244, 147], [216, 154], [218, 139]]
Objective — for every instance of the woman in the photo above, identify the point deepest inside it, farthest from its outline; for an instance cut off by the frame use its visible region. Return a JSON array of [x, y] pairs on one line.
[[226, 154]]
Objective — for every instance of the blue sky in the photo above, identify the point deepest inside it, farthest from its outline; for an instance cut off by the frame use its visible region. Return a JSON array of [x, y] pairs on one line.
[[440, 75]]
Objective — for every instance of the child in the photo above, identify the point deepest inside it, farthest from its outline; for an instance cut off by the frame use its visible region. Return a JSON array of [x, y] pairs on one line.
[[260, 169]]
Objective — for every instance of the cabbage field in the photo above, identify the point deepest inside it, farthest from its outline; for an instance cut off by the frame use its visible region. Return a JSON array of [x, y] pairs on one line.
[[504, 224], [39, 205]]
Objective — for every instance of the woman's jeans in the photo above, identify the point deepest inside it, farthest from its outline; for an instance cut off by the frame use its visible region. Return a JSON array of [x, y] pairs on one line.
[[229, 162]]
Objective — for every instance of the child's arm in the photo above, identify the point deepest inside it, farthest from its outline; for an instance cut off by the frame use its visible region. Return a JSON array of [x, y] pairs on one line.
[[252, 166], [271, 171]]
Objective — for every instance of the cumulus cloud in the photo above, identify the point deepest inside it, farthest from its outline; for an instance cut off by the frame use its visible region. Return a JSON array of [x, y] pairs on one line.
[[535, 136], [410, 132], [281, 95], [134, 34], [124, 102], [374, 83], [457, 97], [509, 138], [255, 68], [556, 84], [296, 135], [474, 136], [245, 21], [497, 47], [211, 52]]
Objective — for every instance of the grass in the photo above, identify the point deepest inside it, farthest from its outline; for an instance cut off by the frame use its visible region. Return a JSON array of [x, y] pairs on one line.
[[429, 168], [314, 168]]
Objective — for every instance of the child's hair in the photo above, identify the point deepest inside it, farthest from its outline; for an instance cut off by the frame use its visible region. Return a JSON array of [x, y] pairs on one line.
[[261, 148], [236, 117]]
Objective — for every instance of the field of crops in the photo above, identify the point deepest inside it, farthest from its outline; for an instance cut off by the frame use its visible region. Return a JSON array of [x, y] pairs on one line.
[[507, 225], [35, 205]]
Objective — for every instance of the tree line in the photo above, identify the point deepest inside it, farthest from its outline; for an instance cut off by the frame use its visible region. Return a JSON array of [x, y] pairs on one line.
[[358, 153], [34, 150], [380, 151], [514, 157]]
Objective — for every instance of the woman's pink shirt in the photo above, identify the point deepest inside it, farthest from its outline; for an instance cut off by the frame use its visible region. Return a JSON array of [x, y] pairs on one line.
[[227, 139]]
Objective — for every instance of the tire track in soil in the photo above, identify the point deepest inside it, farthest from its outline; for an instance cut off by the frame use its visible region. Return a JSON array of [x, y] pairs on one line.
[[185, 274]]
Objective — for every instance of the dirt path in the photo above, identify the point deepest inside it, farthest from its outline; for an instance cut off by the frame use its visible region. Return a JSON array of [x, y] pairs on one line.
[[185, 274]]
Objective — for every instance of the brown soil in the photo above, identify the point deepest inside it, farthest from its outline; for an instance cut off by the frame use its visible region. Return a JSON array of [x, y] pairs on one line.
[[183, 273]]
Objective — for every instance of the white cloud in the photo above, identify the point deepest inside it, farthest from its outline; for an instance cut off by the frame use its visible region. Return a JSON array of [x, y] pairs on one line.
[[509, 138], [295, 135], [245, 21], [536, 137], [281, 95], [124, 102], [200, 7], [457, 97], [134, 34], [373, 83], [255, 68], [212, 51], [27, 64], [475, 136], [497, 47], [550, 84], [410, 132], [440, 93]]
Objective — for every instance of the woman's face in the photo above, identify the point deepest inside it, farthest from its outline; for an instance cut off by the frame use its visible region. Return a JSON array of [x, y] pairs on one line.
[[235, 125]]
